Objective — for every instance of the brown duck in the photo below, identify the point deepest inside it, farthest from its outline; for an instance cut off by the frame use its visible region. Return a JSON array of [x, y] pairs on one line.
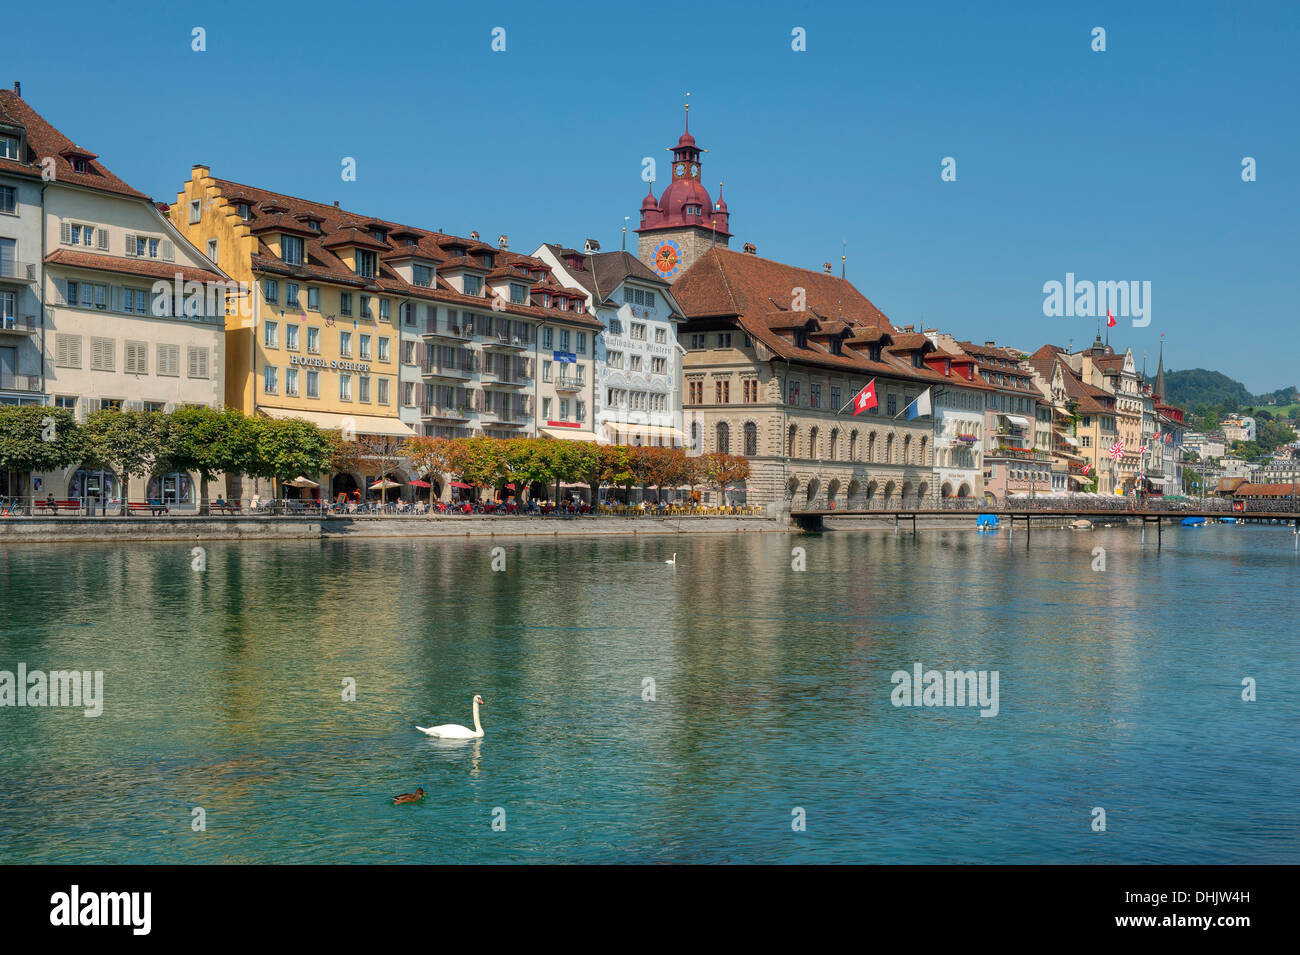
[[409, 797]]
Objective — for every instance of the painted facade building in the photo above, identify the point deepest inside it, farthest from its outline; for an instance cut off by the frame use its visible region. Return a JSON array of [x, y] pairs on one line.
[[637, 360], [129, 314]]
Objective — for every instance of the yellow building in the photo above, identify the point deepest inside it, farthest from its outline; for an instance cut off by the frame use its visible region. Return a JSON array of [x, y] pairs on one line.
[[314, 333]]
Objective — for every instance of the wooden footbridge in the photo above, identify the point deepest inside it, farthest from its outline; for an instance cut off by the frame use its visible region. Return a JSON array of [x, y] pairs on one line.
[[1286, 512]]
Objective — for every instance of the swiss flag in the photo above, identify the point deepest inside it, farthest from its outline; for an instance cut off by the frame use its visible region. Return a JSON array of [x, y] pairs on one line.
[[1110, 319], [866, 398]]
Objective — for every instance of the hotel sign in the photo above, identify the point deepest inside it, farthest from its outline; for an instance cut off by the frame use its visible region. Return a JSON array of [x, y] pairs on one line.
[[322, 363], [565, 357]]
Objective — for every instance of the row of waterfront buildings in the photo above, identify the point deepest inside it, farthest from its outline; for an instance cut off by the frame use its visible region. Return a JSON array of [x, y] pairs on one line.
[[279, 306]]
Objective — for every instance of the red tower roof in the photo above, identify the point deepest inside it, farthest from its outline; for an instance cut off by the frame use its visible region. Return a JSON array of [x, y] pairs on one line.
[[685, 202]]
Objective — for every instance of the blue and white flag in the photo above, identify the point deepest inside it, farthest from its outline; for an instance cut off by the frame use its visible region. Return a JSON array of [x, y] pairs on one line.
[[921, 406]]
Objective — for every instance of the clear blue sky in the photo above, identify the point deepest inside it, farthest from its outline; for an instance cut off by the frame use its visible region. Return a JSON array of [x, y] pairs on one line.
[[1117, 165]]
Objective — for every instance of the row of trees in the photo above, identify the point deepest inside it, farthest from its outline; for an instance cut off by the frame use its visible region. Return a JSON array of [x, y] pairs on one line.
[[495, 463], [35, 438]]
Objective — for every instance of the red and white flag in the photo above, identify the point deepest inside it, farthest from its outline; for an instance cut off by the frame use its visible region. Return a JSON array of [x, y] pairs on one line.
[[865, 399], [1110, 319], [1087, 468], [1117, 450]]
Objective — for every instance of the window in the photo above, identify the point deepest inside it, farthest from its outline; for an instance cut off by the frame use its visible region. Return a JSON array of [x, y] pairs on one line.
[[8, 199], [794, 393], [407, 312], [697, 342], [66, 401], [88, 295], [408, 392], [836, 404], [137, 358], [271, 335], [245, 213], [564, 409], [291, 249], [364, 348], [722, 392], [518, 294], [636, 363], [546, 408], [421, 275], [169, 360], [661, 336], [473, 285], [345, 387], [564, 339], [135, 300], [291, 290], [271, 291], [345, 303], [582, 343], [384, 346], [291, 382], [891, 403], [546, 371], [313, 384], [382, 391], [638, 331], [313, 341], [751, 440], [363, 388], [212, 249], [9, 148], [291, 337], [695, 392], [67, 351], [724, 437], [313, 298], [614, 359], [365, 306], [196, 210], [101, 354], [198, 362], [345, 344], [547, 339], [385, 314], [724, 340], [270, 379], [814, 395], [659, 366], [615, 326]]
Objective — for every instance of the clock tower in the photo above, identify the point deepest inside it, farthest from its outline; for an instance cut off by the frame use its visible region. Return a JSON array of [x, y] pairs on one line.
[[683, 223]]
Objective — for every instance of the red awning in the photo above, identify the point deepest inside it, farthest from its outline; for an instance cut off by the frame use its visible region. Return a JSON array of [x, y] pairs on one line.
[[461, 484], [418, 483]]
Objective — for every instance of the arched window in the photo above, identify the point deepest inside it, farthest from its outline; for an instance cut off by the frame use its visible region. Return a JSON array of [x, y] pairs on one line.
[[724, 438], [907, 449], [695, 434], [812, 444], [791, 441], [923, 446], [853, 446], [835, 443], [751, 440], [871, 448], [889, 449]]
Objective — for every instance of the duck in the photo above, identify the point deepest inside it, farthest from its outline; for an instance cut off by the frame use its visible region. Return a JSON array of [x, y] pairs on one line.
[[455, 730], [409, 797], [674, 559]]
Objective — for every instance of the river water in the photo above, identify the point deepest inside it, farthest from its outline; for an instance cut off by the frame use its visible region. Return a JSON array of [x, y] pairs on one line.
[[770, 737]]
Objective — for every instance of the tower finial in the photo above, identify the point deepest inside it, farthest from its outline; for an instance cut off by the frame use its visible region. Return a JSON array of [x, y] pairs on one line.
[[688, 112]]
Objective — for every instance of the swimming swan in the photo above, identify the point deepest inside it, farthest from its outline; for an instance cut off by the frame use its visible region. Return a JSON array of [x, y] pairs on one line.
[[454, 730], [674, 560]]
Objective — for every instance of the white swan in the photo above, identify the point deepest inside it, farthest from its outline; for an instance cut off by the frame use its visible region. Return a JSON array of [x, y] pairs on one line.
[[455, 730], [674, 560]]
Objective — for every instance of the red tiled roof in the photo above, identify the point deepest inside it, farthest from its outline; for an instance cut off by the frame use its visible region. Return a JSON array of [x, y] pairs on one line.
[[1246, 489], [128, 266], [44, 141]]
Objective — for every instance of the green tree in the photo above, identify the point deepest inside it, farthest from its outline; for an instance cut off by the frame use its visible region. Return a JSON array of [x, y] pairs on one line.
[[131, 443], [209, 443], [287, 447], [37, 438]]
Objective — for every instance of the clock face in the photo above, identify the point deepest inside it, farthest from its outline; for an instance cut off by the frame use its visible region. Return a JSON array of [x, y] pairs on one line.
[[695, 170], [667, 258], [680, 169]]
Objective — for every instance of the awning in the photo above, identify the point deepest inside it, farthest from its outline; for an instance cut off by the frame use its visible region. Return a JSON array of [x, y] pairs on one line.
[[331, 421], [1018, 421], [624, 433], [1069, 439], [1082, 479], [569, 434]]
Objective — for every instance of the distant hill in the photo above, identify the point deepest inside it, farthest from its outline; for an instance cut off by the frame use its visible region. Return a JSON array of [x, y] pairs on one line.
[[1199, 386]]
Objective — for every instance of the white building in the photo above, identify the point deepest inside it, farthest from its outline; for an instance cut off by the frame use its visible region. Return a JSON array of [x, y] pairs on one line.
[[638, 370]]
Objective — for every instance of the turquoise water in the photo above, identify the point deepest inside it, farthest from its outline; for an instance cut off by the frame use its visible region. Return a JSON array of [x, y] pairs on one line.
[[1118, 689]]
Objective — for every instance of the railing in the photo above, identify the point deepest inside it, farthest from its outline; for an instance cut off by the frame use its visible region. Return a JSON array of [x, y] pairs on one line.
[[29, 383], [13, 269], [568, 383], [443, 411], [23, 324], [1022, 503]]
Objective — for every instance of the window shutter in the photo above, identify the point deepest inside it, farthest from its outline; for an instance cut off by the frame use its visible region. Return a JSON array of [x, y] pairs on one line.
[[65, 232], [60, 292], [61, 350], [168, 251], [101, 237], [130, 245], [74, 351]]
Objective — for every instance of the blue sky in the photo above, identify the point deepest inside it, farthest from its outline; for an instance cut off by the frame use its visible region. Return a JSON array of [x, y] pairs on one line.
[[1114, 166]]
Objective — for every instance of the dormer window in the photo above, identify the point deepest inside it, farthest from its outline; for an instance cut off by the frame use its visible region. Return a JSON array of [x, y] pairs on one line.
[[916, 360], [79, 165], [546, 299], [421, 275], [489, 260], [313, 225], [564, 304], [473, 285], [518, 293], [365, 263], [875, 352], [412, 241], [245, 212], [693, 210], [291, 249], [381, 235], [10, 148], [800, 339]]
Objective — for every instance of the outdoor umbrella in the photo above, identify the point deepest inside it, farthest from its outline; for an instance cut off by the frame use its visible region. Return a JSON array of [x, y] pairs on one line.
[[418, 483], [461, 484], [384, 484], [302, 481]]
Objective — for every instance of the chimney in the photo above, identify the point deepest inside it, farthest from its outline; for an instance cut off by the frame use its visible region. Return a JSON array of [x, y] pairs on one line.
[[18, 89], [751, 249], [336, 203], [503, 243], [590, 247], [908, 329], [474, 235], [990, 344], [826, 267]]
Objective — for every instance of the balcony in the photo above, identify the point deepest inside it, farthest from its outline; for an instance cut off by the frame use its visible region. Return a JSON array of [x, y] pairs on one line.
[[28, 383], [510, 344], [448, 372], [443, 414], [569, 383], [452, 333], [18, 273], [21, 325]]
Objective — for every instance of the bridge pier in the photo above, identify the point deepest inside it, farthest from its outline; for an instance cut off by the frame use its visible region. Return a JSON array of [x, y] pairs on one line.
[[809, 523]]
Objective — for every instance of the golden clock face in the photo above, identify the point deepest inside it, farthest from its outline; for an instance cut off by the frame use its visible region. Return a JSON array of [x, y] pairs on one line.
[[667, 257]]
